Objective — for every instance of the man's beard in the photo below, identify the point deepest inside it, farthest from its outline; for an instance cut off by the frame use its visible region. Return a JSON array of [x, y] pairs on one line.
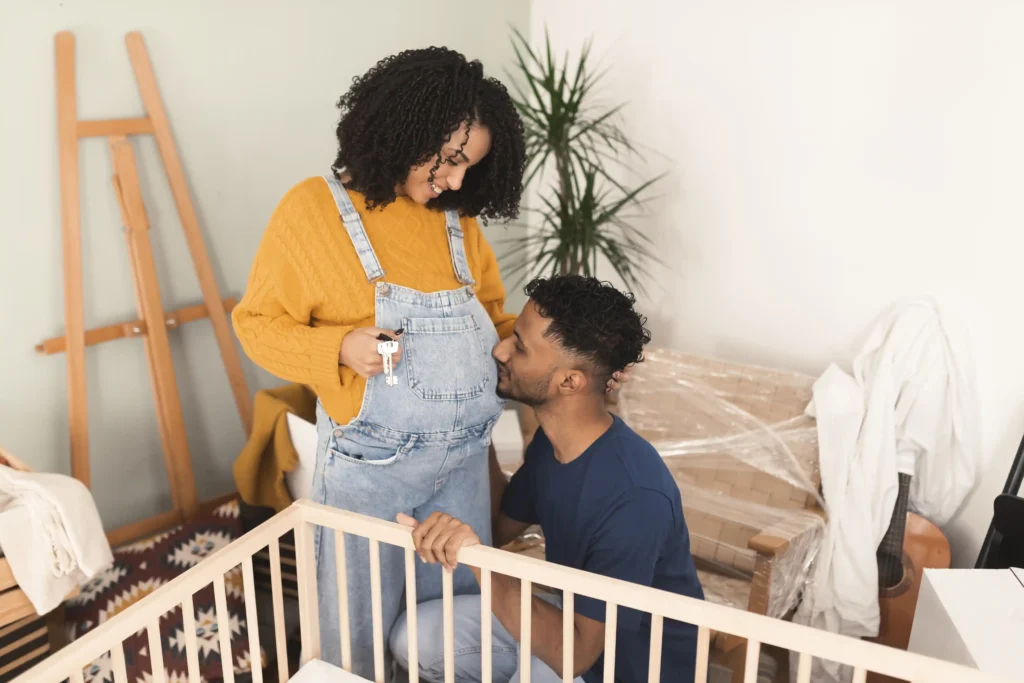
[[533, 399], [506, 393]]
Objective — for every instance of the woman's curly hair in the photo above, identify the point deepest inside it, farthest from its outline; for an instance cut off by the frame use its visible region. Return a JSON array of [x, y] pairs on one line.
[[399, 114], [593, 320]]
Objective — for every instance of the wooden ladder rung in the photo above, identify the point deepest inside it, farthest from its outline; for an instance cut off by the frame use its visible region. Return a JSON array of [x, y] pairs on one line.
[[113, 128], [132, 328]]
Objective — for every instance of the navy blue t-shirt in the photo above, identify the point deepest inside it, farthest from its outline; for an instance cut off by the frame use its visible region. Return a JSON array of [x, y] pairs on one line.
[[614, 511]]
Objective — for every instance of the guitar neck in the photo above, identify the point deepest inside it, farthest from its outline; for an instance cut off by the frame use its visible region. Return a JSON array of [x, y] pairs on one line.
[[890, 550]]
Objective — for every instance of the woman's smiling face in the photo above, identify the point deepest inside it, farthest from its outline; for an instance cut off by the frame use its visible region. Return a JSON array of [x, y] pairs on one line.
[[466, 147]]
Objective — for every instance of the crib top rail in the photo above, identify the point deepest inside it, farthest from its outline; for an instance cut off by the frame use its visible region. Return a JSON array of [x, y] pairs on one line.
[[907, 666], [304, 513]]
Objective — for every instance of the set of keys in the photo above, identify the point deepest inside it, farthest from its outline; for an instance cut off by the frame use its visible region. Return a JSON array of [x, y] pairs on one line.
[[387, 348]]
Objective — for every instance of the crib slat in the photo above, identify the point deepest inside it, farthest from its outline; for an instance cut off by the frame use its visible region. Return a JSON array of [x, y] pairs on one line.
[[568, 635], [276, 590], [753, 659], [378, 619], [188, 619], [703, 650], [227, 657], [611, 618], [486, 653], [117, 658], [654, 665], [252, 620], [448, 610], [309, 618], [803, 669], [525, 629], [341, 567], [76, 675], [860, 675], [410, 616], [156, 652]]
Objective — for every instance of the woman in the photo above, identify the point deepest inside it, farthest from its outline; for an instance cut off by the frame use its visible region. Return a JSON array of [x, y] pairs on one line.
[[388, 243]]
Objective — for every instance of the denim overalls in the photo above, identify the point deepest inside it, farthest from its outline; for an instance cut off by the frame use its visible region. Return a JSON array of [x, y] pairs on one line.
[[415, 448]]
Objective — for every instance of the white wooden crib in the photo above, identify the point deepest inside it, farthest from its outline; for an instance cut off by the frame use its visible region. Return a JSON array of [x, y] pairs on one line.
[[303, 515]]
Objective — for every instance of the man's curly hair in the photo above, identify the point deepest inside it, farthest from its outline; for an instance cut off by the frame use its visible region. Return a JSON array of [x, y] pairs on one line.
[[399, 114], [592, 320]]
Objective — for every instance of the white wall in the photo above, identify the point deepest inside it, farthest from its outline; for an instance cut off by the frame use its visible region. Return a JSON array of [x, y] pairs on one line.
[[250, 90], [828, 158]]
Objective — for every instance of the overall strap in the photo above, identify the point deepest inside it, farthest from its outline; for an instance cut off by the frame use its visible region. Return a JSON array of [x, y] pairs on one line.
[[356, 232], [457, 246]]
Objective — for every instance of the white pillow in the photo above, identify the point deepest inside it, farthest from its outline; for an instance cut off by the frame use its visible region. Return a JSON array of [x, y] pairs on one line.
[[508, 438], [300, 480]]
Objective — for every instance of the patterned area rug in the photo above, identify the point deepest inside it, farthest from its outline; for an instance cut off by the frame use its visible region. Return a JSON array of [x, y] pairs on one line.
[[138, 570]]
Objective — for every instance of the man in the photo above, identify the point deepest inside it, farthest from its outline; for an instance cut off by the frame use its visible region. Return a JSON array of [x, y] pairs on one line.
[[602, 495]]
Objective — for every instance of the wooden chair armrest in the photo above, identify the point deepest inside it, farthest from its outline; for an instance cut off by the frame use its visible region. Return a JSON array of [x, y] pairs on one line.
[[777, 538], [768, 544], [784, 553]]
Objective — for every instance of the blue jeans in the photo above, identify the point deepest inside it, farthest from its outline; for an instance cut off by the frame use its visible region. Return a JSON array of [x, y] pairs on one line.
[[381, 480], [416, 446], [468, 661]]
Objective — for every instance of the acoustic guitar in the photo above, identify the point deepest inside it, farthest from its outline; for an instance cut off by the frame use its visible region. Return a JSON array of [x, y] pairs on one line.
[[910, 544]]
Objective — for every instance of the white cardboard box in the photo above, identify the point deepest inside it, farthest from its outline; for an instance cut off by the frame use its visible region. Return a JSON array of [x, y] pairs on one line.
[[973, 617]]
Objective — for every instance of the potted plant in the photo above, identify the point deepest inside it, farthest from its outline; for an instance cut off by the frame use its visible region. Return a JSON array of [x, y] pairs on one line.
[[576, 154]]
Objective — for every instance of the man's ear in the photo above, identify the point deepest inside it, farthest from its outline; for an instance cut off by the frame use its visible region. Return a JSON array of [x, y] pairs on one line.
[[573, 382]]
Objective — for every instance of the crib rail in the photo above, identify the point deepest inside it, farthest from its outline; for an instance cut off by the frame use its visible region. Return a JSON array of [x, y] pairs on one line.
[[304, 515], [67, 664], [759, 630]]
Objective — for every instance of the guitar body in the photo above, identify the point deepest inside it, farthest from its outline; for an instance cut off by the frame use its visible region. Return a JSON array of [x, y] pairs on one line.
[[924, 546]]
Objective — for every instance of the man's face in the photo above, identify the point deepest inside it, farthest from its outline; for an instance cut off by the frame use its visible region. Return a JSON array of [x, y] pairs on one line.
[[527, 360]]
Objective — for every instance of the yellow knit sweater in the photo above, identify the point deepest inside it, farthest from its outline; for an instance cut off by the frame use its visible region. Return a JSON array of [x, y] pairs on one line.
[[307, 289]]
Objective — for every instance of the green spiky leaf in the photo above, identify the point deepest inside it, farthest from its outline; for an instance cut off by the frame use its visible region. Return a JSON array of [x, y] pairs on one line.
[[586, 214]]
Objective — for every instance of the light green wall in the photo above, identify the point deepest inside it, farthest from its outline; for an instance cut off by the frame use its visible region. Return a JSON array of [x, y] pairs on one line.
[[251, 96]]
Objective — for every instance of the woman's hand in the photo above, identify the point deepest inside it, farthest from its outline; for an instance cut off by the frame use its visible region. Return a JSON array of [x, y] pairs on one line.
[[618, 379], [359, 351]]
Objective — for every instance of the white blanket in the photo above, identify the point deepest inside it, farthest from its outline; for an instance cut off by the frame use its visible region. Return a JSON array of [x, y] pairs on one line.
[[908, 407], [51, 535]]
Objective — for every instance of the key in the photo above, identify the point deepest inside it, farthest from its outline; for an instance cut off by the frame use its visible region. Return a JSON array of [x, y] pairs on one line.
[[388, 349]]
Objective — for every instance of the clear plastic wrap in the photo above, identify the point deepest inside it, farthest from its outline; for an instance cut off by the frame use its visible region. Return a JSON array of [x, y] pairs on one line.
[[745, 458]]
